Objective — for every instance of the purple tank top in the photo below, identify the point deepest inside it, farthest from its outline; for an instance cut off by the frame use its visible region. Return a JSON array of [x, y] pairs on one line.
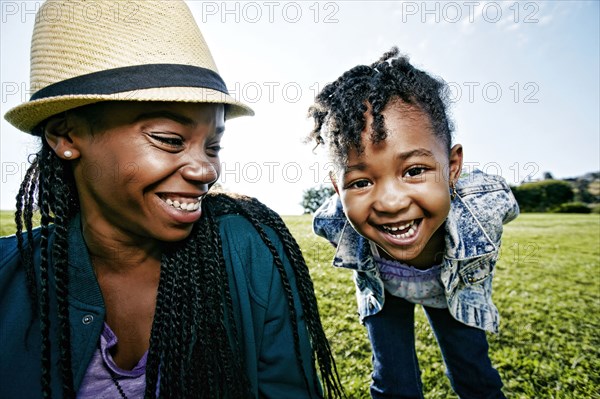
[[98, 380]]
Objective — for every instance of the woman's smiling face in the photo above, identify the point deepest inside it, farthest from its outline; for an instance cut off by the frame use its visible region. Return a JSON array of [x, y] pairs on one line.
[[144, 170], [396, 192]]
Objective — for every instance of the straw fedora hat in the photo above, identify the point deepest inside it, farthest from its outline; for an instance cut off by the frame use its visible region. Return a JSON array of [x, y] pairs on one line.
[[84, 52]]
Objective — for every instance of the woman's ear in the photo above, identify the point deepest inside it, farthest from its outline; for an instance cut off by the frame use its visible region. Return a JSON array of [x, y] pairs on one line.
[[58, 136], [456, 162]]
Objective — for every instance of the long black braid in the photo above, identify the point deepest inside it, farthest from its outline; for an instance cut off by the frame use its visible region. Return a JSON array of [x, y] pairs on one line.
[[258, 214], [339, 109], [47, 179], [189, 343], [25, 212]]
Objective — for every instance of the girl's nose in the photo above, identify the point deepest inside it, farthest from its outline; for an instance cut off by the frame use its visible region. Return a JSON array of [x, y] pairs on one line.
[[391, 198]]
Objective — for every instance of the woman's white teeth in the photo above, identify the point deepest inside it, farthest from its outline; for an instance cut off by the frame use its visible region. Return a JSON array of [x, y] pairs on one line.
[[184, 206], [396, 230]]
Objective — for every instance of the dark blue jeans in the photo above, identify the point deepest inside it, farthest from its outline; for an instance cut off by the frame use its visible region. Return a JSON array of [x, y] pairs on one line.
[[396, 372]]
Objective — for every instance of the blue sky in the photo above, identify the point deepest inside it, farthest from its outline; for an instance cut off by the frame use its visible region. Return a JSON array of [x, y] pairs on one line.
[[524, 77]]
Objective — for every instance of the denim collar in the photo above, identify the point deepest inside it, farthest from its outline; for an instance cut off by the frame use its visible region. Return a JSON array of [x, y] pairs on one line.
[[465, 239]]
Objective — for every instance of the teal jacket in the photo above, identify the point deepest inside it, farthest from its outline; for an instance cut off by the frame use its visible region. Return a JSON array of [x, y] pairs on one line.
[[261, 315]]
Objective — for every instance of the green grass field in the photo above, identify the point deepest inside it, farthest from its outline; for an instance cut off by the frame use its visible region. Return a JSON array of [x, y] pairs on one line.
[[547, 288], [7, 224]]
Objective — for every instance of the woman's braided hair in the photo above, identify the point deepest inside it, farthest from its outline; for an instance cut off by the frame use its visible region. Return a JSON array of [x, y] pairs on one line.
[[189, 341], [339, 109]]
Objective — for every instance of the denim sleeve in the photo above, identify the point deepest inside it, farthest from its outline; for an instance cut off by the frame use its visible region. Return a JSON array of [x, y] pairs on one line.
[[512, 208], [329, 220], [503, 200], [491, 200]]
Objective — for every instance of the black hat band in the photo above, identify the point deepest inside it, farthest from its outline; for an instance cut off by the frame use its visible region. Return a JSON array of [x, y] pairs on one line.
[[137, 77]]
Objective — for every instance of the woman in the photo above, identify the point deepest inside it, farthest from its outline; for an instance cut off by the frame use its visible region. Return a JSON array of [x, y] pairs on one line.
[[139, 282]]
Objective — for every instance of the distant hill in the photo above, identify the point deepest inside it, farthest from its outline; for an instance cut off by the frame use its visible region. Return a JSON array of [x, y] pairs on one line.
[[586, 187]]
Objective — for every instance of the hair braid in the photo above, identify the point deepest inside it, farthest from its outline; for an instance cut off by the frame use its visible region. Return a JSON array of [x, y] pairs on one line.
[[259, 215], [24, 215], [321, 344], [44, 310], [285, 282], [181, 320], [61, 270], [234, 339], [165, 328], [190, 313], [155, 350], [198, 359], [232, 368], [201, 373], [46, 178]]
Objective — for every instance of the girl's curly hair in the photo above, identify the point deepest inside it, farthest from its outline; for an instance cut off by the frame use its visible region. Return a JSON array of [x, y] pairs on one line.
[[339, 109]]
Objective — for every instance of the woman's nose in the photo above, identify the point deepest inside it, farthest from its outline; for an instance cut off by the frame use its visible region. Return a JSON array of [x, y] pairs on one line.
[[201, 169]]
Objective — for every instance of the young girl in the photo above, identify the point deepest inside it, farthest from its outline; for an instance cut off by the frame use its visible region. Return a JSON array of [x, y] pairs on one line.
[[139, 282], [410, 226]]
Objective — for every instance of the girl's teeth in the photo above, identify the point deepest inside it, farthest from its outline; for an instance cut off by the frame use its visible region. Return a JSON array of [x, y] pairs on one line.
[[394, 230], [409, 233], [403, 227]]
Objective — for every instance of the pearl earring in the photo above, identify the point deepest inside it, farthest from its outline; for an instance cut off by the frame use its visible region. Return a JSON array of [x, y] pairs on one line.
[[68, 154]]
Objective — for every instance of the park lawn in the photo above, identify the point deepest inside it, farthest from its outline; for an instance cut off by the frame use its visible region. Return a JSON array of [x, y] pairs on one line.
[[547, 288], [7, 223]]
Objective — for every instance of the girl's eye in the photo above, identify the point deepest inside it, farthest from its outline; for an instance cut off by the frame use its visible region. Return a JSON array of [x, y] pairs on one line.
[[359, 184], [415, 171], [171, 141]]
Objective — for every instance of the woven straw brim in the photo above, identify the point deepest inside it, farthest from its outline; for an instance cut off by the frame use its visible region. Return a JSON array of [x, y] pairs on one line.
[[156, 52], [28, 115]]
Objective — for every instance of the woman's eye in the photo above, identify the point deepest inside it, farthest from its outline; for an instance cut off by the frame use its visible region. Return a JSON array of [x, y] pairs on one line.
[[171, 141], [415, 171], [214, 150]]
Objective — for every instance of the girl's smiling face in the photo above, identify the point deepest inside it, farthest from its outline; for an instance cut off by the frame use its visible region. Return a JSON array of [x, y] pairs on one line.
[[143, 172], [396, 193]]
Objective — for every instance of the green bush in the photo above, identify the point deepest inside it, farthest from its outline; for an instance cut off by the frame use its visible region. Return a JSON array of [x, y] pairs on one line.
[[542, 196], [315, 196], [572, 207]]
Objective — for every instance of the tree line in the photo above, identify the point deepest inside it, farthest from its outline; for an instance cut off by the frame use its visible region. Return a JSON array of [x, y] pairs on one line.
[[574, 195]]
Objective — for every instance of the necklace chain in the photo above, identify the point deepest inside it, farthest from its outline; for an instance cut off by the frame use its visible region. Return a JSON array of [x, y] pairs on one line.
[[114, 380]]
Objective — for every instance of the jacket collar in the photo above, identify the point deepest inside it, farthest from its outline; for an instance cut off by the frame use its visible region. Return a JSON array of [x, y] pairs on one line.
[[83, 284], [353, 250], [465, 239]]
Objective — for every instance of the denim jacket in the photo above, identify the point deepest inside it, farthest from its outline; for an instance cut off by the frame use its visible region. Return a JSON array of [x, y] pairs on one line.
[[473, 234]]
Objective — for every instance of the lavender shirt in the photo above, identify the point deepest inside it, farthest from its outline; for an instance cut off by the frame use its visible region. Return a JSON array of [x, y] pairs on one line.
[[417, 286], [97, 382]]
